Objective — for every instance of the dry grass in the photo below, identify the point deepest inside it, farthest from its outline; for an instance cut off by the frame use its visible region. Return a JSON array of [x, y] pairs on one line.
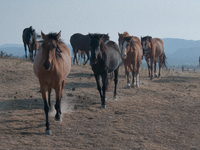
[[161, 114]]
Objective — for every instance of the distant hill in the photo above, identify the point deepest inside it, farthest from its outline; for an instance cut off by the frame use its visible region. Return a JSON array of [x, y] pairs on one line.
[[17, 50], [178, 51], [172, 44], [182, 52]]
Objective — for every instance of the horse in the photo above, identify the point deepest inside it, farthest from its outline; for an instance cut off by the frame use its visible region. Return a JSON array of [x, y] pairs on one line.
[[81, 54], [131, 54], [125, 34], [82, 42], [105, 58], [29, 37], [153, 49], [51, 66], [35, 47]]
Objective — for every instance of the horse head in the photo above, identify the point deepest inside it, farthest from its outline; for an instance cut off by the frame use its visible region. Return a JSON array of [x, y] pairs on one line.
[[121, 36], [146, 44], [126, 45], [49, 48], [97, 47]]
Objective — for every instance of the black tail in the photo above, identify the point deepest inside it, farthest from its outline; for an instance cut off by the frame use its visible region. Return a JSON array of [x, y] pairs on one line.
[[164, 61]]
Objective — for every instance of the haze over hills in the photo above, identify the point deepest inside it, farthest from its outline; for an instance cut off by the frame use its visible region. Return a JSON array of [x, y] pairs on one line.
[[178, 51]]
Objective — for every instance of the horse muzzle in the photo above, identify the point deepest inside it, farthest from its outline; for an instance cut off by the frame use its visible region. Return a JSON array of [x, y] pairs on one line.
[[124, 56], [47, 65]]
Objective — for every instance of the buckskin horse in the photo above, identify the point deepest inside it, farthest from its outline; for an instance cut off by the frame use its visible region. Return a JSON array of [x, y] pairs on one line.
[[105, 58], [51, 66], [131, 54], [82, 42], [29, 37], [153, 49]]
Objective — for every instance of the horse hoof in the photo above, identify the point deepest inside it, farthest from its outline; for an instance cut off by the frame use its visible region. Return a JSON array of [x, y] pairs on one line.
[[103, 106], [58, 119], [114, 98], [48, 132]]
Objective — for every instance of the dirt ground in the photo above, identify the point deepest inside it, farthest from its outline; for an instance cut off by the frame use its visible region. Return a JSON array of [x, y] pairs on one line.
[[163, 114]]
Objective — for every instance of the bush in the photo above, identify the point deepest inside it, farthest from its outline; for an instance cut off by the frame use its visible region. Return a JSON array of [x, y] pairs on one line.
[[4, 55]]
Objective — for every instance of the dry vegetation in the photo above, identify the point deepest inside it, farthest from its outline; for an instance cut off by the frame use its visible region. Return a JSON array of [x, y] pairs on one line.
[[163, 114]]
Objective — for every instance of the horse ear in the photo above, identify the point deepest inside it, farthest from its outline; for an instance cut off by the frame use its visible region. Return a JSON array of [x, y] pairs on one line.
[[90, 35], [58, 35], [150, 39], [43, 35]]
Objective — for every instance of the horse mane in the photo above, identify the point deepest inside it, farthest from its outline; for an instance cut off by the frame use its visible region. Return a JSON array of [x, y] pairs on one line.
[[125, 34], [58, 41]]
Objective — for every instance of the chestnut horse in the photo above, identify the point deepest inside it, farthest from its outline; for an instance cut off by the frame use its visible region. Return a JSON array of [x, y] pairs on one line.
[[125, 34], [51, 66], [153, 49], [105, 58], [131, 54]]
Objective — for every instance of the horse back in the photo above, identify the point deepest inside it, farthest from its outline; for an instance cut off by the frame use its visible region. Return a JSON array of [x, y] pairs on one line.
[[136, 39], [80, 41], [158, 46], [112, 56], [138, 47]]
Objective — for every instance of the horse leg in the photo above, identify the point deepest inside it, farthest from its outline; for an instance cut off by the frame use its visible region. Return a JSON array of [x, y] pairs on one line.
[[46, 109], [133, 75], [88, 57], [58, 101], [127, 78], [105, 83], [160, 64], [98, 85], [147, 60], [155, 74], [137, 74], [152, 62], [75, 59], [116, 72], [25, 50], [49, 98]]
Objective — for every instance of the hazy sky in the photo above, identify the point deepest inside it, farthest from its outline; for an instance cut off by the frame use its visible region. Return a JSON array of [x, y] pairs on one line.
[[158, 18]]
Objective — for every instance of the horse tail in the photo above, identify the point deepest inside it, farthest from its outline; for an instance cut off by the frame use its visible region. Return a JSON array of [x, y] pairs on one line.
[[164, 61]]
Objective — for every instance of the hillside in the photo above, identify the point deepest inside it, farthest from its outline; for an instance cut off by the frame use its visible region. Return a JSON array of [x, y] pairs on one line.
[[178, 51]]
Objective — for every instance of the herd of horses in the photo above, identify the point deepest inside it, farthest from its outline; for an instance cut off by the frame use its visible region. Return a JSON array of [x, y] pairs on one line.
[[53, 61]]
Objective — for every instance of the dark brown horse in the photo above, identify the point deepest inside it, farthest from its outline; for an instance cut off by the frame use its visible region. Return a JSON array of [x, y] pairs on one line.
[[52, 64], [82, 42], [131, 54], [105, 58], [29, 37], [153, 49]]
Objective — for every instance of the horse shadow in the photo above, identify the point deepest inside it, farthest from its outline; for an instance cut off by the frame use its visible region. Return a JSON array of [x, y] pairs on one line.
[[21, 104]]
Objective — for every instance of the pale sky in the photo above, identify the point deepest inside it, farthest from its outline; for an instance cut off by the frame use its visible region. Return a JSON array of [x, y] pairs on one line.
[[157, 18]]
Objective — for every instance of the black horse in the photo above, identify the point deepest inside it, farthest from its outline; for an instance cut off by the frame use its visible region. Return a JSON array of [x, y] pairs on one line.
[[29, 37], [105, 58], [82, 42]]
